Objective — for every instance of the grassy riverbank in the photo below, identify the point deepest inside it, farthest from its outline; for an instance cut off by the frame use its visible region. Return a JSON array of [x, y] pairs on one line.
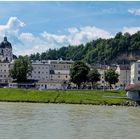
[[95, 97]]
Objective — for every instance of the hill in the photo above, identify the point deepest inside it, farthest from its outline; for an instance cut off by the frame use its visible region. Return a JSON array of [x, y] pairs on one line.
[[122, 49]]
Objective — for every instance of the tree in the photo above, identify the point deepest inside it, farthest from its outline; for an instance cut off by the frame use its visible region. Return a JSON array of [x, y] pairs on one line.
[[111, 77], [79, 72], [93, 76], [21, 68]]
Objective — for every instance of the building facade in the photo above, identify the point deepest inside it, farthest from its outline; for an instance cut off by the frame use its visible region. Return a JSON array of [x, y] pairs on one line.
[[124, 75], [6, 54], [40, 72], [60, 69], [4, 74], [135, 72], [6, 57]]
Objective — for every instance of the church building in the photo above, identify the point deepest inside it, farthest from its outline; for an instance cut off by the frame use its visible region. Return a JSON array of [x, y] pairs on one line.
[[6, 57], [6, 51]]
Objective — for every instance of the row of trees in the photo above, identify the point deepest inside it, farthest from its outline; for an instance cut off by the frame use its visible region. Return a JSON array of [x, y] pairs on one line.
[[97, 51], [81, 73]]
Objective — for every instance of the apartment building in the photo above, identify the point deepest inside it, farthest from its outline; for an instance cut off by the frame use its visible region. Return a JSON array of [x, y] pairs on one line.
[[60, 69], [101, 69], [124, 75], [4, 74], [40, 72]]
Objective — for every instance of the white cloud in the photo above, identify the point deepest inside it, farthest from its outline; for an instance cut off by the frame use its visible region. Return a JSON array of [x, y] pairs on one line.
[[134, 11], [54, 38], [12, 27], [27, 43], [131, 30], [88, 33], [77, 36], [73, 30]]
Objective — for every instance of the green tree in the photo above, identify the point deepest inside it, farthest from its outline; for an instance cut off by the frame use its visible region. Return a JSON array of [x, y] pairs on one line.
[[111, 77], [21, 68], [93, 76], [79, 72]]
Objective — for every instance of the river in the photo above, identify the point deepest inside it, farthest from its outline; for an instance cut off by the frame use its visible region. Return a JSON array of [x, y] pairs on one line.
[[65, 121]]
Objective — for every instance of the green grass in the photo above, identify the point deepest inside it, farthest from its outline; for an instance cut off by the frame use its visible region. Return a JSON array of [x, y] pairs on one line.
[[95, 97]]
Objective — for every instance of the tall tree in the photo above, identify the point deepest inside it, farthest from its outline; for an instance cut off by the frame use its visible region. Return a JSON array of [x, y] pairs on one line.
[[21, 68], [93, 76], [111, 77], [79, 72]]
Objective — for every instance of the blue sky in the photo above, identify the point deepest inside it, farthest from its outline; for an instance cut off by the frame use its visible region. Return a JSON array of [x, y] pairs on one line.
[[37, 26]]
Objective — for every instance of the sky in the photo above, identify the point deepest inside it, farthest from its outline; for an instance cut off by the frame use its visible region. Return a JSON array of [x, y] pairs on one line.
[[36, 26]]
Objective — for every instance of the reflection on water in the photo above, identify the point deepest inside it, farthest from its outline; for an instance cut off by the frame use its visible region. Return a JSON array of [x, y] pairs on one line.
[[27, 120]]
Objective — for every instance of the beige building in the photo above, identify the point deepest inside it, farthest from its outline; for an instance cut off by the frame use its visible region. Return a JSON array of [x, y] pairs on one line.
[[124, 75], [101, 69], [60, 69]]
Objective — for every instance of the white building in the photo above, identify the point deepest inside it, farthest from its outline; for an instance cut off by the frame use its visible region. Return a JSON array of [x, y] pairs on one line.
[[49, 85], [135, 72], [4, 73], [6, 57], [40, 72], [124, 75]]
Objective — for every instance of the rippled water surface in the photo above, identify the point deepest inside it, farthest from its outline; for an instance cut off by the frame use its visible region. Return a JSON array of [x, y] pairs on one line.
[[27, 120]]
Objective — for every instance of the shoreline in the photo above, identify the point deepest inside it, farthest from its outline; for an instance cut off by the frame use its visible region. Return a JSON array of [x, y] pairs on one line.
[[16, 101], [85, 97]]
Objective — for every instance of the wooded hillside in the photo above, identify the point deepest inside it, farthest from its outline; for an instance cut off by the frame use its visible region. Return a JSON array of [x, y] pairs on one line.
[[121, 49]]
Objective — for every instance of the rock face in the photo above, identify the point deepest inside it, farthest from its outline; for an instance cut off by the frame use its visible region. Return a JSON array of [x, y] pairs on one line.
[[5, 51]]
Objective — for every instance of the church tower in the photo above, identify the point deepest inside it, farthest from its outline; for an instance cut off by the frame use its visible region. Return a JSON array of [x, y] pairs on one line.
[[5, 51]]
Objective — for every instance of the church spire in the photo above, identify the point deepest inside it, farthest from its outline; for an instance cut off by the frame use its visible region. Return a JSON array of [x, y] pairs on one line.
[[5, 38]]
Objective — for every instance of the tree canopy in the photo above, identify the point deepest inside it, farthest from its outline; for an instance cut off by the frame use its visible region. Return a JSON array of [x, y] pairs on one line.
[[111, 77], [78, 73], [117, 50], [93, 76], [21, 67]]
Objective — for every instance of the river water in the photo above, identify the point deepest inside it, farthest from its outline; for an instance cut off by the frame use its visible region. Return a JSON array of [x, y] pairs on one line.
[[50, 121]]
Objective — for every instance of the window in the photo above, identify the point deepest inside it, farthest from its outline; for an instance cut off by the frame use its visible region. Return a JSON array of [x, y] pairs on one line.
[[39, 72], [139, 72], [139, 65], [138, 78]]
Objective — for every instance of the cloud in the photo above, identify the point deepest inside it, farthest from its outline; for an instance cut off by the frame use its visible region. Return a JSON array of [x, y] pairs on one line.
[[87, 33], [77, 36], [26, 43], [134, 11], [131, 30], [54, 38], [12, 27]]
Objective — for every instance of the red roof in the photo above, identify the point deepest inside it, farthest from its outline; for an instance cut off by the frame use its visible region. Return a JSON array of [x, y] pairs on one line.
[[133, 87]]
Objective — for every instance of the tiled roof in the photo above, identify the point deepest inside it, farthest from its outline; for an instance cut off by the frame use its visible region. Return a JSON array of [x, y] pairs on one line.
[[133, 87]]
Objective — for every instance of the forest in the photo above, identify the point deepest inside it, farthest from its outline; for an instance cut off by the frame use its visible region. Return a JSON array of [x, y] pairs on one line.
[[122, 49]]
